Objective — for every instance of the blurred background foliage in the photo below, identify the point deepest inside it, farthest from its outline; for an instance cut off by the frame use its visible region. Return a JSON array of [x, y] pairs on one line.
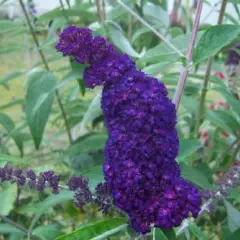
[[34, 133]]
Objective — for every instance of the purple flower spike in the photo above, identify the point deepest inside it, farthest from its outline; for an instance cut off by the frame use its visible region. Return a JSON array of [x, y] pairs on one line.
[[140, 170], [82, 193]]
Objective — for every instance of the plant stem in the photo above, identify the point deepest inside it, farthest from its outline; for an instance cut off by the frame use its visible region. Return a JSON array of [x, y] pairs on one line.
[[103, 10], [64, 12], [150, 27], [16, 225], [207, 77], [47, 68], [143, 237], [203, 96], [222, 11], [130, 26], [184, 227], [184, 72], [100, 11]]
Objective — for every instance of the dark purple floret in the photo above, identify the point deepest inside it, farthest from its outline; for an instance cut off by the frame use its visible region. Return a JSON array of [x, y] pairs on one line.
[[31, 175], [140, 170], [76, 42], [82, 46], [109, 69], [48, 178], [82, 192], [104, 196], [45, 179], [100, 48]]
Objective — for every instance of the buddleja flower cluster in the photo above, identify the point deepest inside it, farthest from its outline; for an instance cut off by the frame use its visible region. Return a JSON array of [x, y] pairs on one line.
[[48, 179], [140, 167], [29, 178]]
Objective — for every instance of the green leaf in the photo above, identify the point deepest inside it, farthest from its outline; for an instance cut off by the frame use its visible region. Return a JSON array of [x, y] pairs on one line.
[[39, 102], [156, 68], [57, 13], [189, 103], [95, 229], [221, 120], [194, 175], [158, 234], [235, 235], [118, 38], [89, 143], [170, 234], [94, 110], [50, 201], [138, 33], [229, 120], [197, 231], [47, 232], [234, 1], [187, 147], [7, 228], [13, 159], [7, 199], [78, 70], [213, 40], [162, 52], [66, 79], [10, 76], [56, 24], [9, 125], [233, 216], [94, 175], [116, 13], [156, 13]]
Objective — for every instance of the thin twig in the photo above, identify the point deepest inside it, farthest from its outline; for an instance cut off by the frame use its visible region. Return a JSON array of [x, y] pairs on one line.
[[211, 11], [150, 27], [186, 222], [222, 11], [47, 68], [184, 72], [16, 225], [230, 147], [207, 76]]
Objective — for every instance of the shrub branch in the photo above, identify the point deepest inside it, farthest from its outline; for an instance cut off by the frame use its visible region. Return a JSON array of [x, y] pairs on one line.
[[45, 63]]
